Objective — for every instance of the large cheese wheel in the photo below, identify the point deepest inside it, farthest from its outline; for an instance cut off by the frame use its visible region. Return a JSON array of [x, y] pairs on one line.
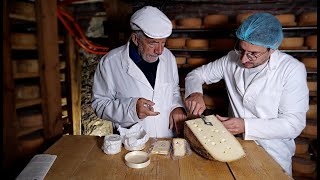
[[30, 119], [311, 41], [31, 143], [287, 19], [196, 61], [23, 10], [26, 66], [214, 20], [197, 43], [308, 19], [176, 42], [222, 44], [310, 62], [23, 41], [302, 146], [241, 17], [189, 23], [311, 128], [301, 165], [291, 42], [181, 60], [312, 112], [173, 22], [28, 92], [62, 64], [212, 142], [312, 85]]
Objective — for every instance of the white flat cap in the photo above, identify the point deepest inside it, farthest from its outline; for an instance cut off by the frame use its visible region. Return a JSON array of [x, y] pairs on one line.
[[152, 22]]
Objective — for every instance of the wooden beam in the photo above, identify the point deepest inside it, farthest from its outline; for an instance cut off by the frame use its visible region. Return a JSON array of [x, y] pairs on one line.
[[47, 28], [74, 66]]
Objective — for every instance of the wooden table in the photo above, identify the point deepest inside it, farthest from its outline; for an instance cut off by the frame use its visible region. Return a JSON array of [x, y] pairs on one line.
[[81, 157]]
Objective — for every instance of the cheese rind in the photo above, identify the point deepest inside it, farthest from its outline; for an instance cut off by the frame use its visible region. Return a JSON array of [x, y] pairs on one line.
[[213, 142]]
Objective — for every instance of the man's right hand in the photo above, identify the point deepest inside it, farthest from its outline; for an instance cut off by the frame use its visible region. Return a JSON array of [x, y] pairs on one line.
[[144, 108], [195, 104]]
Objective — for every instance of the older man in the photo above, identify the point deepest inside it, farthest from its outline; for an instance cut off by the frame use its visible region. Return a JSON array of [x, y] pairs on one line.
[[267, 89], [138, 82]]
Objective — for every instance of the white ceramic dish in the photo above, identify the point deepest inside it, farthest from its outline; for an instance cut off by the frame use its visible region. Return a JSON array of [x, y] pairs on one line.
[[137, 159]]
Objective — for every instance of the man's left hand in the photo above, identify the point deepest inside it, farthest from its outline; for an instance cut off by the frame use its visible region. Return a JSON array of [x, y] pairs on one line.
[[177, 118], [233, 125]]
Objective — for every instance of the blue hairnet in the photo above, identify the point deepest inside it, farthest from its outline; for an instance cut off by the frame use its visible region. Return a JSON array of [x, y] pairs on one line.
[[262, 29]]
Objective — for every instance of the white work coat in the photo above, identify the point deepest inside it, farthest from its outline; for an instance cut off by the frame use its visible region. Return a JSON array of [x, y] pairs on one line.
[[119, 83], [273, 106]]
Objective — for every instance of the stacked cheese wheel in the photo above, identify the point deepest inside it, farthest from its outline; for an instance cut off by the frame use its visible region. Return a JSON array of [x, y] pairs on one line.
[[222, 44], [28, 92], [23, 10], [189, 23], [181, 60], [23, 41], [308, 19], [29, 119], [26, 66], [311, 41], [312, 85], [178, 42], [197, 61], [310, 62], [31, 143], [312, 112], [215, 20], [197, 43], [291, 43], [287, 19], [303, 166], [241, 17], [302, 146], [311, 128]]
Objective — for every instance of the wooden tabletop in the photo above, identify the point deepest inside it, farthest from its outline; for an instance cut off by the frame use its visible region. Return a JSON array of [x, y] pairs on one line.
[[81, 157]]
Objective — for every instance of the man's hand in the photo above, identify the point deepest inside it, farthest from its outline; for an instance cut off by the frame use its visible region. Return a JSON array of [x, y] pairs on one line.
[[234, 125], [195, 104], [177, 118], [144, 108]]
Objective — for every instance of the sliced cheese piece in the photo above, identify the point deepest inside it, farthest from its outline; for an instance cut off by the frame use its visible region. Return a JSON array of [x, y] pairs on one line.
[[308, 19], [181, 60], [179, 146], [161, 147], [241, 17], [197, 43], [215, 20], [301, 165], [222, 44], [287, 19], [312, 112], [189, 23], [176, 42], [310, 62], [212, 142], [196, 61], [28, 92], [291, 42], [311, 41], [302, 146]]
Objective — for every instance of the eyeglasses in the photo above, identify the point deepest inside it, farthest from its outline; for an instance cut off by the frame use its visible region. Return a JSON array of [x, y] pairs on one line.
[[252, 56]]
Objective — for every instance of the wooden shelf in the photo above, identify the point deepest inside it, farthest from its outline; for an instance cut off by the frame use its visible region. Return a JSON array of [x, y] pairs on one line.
[[26, 131], [25, 103], [26, 75], [22, 17], [24, 47]]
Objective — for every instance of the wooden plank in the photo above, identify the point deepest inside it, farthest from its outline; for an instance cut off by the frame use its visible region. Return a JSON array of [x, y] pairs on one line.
[[49, 63], [9, 110], [25, 103], [257, 164], [74, 68], [26, 75]]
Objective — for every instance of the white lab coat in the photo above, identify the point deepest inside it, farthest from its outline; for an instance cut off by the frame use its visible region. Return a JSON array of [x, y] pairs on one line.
[[119, 83], [273, 106]]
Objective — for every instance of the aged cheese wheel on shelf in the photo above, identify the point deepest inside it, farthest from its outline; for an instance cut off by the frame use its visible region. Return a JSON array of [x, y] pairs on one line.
[[212, 142], [197, 43], [287, 19], [28, 92], [197, 61], [308, 19], [241, 17], [312, 112], [176, 42], [31, 143], [23, 10], [62, 64], [222, 44], [311, 128], [214, 20], [23, 41], [30, 119], [181, 60], [311, 41], [310, 62], [291, 42], [302, 146], [173, 22], [312, 85], [301, 165], [189, 23], [26, 66]]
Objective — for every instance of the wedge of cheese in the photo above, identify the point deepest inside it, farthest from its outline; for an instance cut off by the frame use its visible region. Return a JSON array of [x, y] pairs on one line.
[[212, 142]]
